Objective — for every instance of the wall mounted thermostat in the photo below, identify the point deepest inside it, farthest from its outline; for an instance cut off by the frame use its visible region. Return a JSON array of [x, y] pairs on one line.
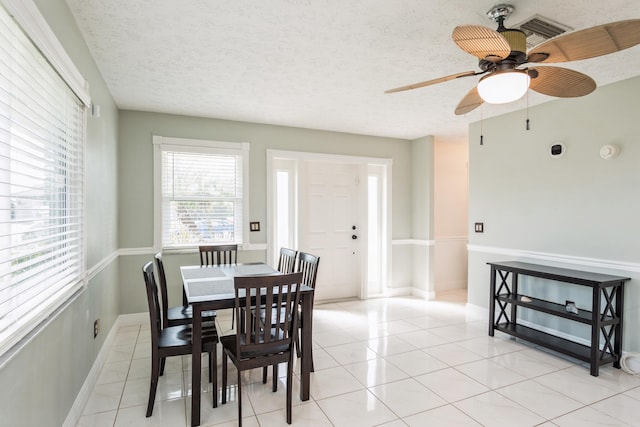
[[608, 152], [557, 149]]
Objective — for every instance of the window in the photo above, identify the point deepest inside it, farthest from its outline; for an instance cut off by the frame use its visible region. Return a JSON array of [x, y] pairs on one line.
[[201, 191], [42, 126]]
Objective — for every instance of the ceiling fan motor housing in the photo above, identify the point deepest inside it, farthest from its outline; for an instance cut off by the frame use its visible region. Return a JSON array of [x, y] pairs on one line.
[[518, 41]]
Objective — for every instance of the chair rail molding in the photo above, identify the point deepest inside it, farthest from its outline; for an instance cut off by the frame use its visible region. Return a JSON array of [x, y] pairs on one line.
[[416, 242], [152, 250], [559, 258]]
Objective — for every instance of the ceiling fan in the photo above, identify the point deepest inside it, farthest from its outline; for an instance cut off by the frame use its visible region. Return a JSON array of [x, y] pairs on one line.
[[502, 55]]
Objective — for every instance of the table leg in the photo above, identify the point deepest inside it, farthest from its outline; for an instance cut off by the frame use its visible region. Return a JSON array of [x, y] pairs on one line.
[[492, 301], [196, 364], [306, 334], [619, 295], [595, 332]]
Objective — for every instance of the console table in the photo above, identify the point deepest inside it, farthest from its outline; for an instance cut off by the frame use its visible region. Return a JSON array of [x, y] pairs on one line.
[[605, 317]]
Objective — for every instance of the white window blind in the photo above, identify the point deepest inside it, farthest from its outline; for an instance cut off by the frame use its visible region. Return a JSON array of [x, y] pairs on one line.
[[203, 195], [41, 175]]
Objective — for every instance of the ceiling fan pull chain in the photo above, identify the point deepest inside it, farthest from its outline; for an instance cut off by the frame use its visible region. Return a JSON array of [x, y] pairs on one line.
[[527, 96], [481, 131]]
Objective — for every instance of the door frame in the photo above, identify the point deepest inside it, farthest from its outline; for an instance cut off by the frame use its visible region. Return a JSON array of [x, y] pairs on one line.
[[363, 164]]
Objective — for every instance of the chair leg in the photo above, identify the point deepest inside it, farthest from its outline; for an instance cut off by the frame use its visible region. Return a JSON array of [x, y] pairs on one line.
[[162, 366], [299, 352], [289, 388], [213, 375], [274, 388], [264, 374], [298, 346], [224, 377], [210, 369], [155, 370], [239, 399], [312, 368]]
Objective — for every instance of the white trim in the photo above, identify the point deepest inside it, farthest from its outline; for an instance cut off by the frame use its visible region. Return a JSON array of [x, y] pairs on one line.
[[136, 251], [329, 158], [92, 378], [451, 239], [29, 18], [476, 310], [152, 251], [421, 293], [17, 343], [101, 265], [396, 292], [416, 242], [133, 319], [560, 258], [554, 332], [161, 143]]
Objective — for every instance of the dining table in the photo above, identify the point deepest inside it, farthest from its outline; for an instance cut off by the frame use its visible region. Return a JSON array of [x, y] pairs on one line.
[[212, 288]]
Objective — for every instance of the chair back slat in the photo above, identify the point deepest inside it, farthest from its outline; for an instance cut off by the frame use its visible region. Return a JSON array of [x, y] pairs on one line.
[[218, 254], [162, 280], [308, 266], [280, 295], [287, 260], [152, 300]]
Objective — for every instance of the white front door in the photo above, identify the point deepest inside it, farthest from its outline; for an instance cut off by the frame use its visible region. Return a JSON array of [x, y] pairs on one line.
[[329, 220]]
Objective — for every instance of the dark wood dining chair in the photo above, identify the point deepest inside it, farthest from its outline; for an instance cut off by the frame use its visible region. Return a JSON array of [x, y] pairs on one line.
[[173, 340], [255, 344], [176, 315], [286, 265], [218, 254], [287, 260], [308, 266]]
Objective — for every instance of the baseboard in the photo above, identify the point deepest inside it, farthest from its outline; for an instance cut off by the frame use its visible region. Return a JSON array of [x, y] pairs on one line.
[[133, 319], [476, 310], [421, 293], [555, 332], [397, 292], [92, 378]]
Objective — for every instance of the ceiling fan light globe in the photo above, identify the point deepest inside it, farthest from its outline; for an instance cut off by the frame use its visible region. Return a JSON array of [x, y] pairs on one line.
[[503, 87]]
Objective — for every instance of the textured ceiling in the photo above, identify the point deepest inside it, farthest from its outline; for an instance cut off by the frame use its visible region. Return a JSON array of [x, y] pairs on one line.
[[320, 64]]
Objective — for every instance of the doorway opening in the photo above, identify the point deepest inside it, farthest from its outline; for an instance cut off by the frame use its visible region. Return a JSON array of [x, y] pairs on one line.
[[336, 207]]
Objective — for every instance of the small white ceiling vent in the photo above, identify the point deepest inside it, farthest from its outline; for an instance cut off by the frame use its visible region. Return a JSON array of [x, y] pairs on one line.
[[539, 29]]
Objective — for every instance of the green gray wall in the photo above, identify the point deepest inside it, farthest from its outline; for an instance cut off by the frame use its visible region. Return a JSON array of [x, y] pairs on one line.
[[578, 210], [136, 180], [42, 379]]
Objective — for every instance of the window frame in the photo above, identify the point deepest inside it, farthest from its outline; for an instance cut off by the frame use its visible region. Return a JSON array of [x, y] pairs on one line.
[[162, 143], [33, 25]]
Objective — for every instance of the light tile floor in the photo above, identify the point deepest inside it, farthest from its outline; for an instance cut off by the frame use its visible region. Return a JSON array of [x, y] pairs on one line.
[[382, 362]]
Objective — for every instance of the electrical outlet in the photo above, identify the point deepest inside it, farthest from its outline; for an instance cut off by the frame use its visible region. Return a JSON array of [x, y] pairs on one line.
[[96, 328], [479, 227]]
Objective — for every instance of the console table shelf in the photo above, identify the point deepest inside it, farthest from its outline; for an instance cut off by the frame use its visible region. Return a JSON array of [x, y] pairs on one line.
[[605, 316], [561, 345]]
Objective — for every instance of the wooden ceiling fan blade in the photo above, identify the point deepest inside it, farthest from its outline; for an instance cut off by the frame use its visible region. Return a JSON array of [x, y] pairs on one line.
[[470, 102], [561, 82], [589, 43], [481, 42], [431, 82]]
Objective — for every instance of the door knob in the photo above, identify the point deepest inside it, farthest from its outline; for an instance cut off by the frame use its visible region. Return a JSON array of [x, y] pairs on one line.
[[354, 237]]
